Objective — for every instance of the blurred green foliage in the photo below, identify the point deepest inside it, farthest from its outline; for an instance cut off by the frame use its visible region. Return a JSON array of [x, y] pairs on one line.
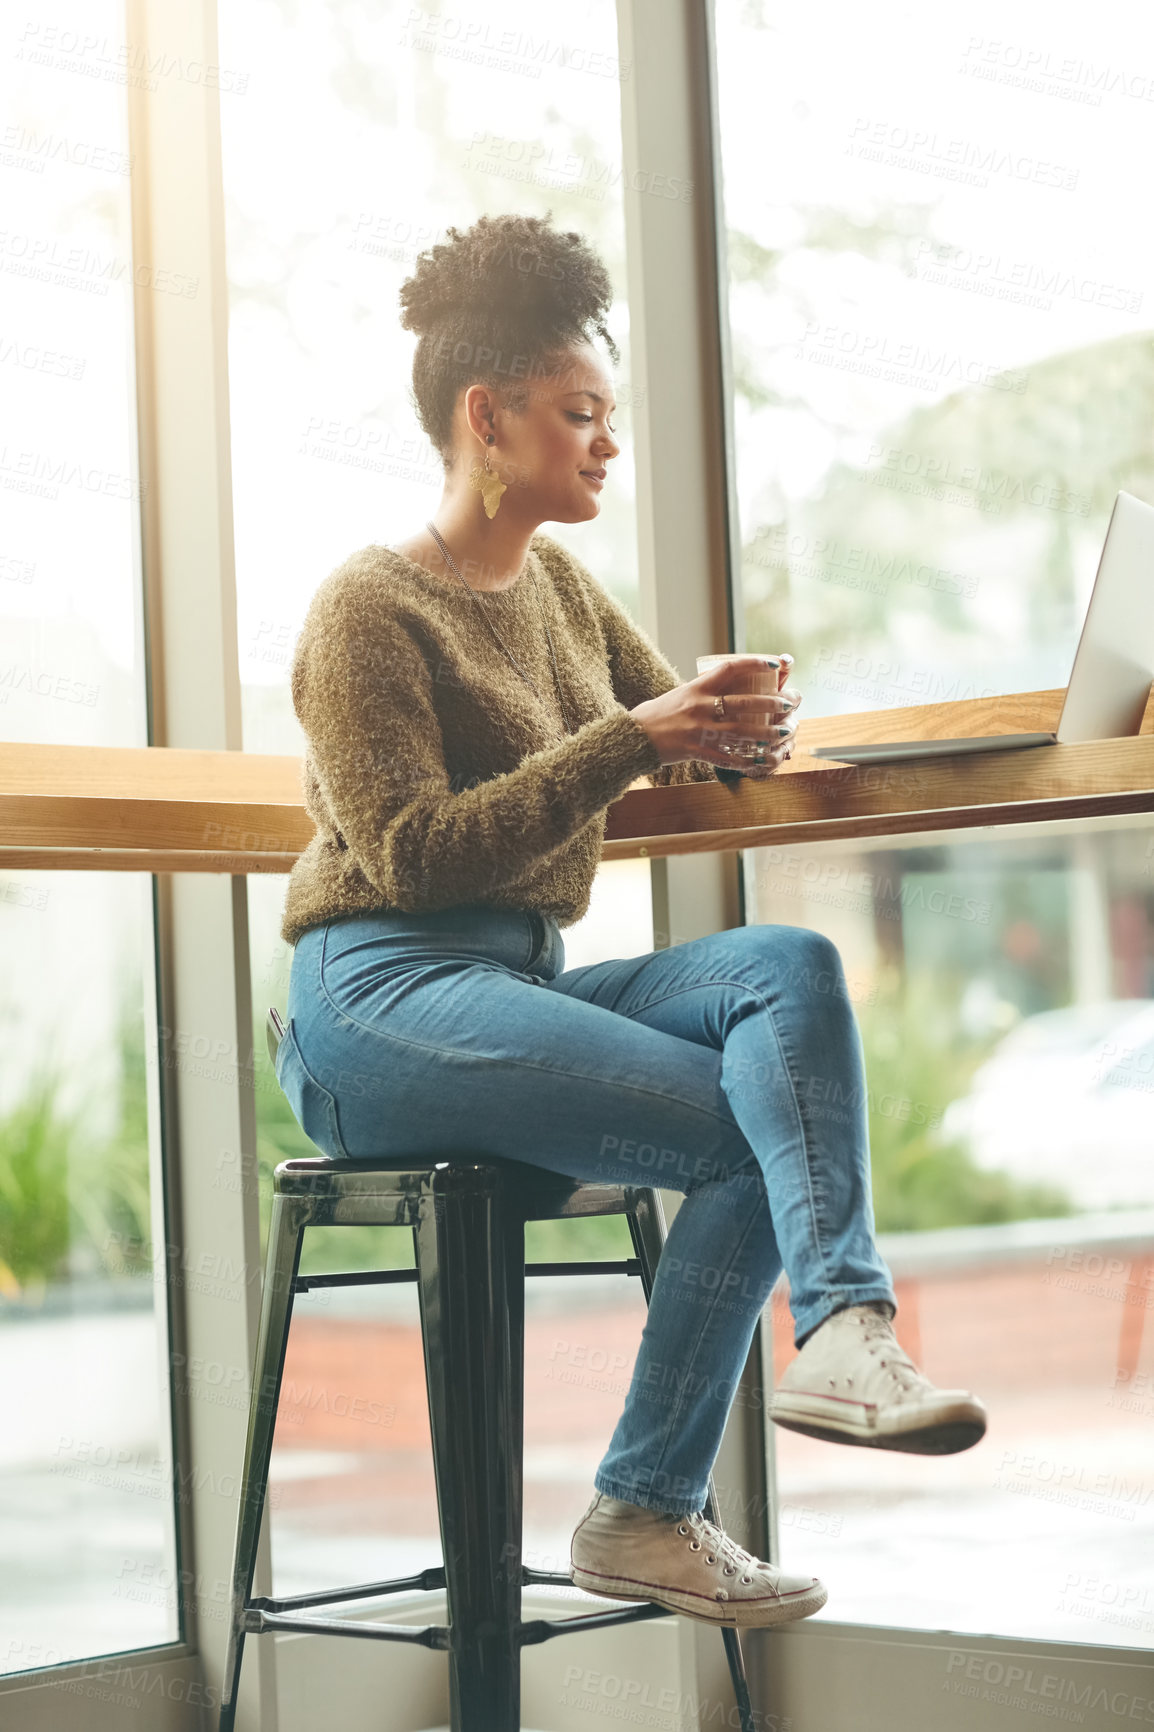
[[915, 1064], [72, 1204]]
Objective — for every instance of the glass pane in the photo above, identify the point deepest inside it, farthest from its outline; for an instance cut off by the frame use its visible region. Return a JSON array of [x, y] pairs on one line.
[[87, 1554], [71, 666], [942, 360], [1004, 989], [86, 1509], [940, 312], [324, 224]]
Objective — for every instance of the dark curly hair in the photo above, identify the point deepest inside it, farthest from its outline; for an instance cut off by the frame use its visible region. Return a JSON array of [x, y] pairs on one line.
[[497, 304]]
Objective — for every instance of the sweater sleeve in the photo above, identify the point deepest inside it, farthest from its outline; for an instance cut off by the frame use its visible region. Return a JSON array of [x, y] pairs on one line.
[[363, 693], [639, 671]]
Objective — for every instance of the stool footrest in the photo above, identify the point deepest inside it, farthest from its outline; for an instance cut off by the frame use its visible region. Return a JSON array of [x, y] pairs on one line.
[[599, 1266], [543, 1629], [433, 1577], [532, 1578], [425, 1581], [257, 1623], [389, 1277], [354, 1278]]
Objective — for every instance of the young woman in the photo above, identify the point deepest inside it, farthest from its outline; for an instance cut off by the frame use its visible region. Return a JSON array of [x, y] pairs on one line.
[[473, 700]]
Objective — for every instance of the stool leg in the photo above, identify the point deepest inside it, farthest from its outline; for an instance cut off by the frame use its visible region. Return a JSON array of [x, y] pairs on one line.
[[647, 1229], [286, 1229], [646, 1220], [736, 1659], [470, 1252]]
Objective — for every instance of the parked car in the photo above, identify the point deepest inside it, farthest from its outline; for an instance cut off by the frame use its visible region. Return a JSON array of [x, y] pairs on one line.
[[1068, 1097]]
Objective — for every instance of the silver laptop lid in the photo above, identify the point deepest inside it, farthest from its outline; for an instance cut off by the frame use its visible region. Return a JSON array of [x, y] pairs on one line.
[[1114, 664]]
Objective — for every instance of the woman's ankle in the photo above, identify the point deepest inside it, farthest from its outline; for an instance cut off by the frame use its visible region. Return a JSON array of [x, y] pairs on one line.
[[884, 1306]]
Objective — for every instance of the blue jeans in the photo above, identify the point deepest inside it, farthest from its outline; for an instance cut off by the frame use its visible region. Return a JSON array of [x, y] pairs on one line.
[[728, 1068]]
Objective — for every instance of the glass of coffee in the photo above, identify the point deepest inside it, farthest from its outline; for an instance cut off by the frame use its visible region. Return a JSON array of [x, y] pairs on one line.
[[748, 673]]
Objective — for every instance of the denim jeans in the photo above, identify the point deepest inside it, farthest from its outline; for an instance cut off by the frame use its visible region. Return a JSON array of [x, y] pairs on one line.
[[728, 1068]]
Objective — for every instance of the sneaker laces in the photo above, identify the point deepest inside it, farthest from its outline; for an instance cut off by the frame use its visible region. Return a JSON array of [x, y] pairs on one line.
[[721, 1547], [878, 1333]]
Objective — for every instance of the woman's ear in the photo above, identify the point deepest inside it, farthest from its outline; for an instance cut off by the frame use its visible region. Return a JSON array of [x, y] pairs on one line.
[[479, 407]]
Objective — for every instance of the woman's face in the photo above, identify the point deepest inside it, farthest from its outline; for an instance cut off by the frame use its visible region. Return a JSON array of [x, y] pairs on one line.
[[556, 455]]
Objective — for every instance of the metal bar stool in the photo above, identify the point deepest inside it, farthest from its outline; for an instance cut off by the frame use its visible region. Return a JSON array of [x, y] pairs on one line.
[[468, 1222]]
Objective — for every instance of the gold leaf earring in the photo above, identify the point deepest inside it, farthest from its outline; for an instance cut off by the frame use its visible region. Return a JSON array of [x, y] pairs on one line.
[[486, 483]]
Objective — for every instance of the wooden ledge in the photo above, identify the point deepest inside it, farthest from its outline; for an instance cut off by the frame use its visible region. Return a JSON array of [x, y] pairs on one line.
[[168, 809], [843, 803]]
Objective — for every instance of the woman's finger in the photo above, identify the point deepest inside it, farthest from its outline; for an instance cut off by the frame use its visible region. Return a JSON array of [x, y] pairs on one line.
[[751, 707], [776, 753]]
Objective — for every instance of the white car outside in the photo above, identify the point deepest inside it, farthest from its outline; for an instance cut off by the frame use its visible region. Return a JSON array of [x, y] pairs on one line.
[[1067, 1099]]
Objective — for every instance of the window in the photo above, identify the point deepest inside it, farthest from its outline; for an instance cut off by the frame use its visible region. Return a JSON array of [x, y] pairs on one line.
[[939, 309], [87, 1551], [996, 983]]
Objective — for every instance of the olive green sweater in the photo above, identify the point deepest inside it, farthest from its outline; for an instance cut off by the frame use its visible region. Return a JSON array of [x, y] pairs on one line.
[[434, 776]]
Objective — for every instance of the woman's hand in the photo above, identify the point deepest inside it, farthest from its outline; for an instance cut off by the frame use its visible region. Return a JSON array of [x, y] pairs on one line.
[[683, 723], [759, 772]]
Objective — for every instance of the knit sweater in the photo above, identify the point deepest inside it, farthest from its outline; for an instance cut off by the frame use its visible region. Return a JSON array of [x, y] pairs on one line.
[[434, 775]]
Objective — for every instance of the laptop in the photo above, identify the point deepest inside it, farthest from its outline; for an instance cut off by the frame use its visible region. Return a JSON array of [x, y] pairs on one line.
[[1113, 666]]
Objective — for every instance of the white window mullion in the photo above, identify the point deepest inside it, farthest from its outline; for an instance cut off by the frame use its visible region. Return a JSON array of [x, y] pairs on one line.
[[684, 498], [203, 951]]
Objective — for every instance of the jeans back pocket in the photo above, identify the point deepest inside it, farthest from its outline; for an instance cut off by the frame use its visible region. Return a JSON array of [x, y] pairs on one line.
[[313, 1106]]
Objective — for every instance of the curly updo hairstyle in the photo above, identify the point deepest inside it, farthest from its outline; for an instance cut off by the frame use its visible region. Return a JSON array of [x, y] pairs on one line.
[[497, 304]]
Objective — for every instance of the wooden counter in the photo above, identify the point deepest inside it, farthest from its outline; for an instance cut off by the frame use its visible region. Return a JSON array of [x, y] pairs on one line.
[[156, 809]]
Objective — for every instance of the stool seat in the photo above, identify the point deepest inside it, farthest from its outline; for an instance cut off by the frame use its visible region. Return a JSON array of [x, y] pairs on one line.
[[467, 1214], [543, 1195]]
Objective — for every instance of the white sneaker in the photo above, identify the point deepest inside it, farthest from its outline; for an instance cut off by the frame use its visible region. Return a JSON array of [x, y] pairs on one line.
[[853, 1383], [624, 1552]]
